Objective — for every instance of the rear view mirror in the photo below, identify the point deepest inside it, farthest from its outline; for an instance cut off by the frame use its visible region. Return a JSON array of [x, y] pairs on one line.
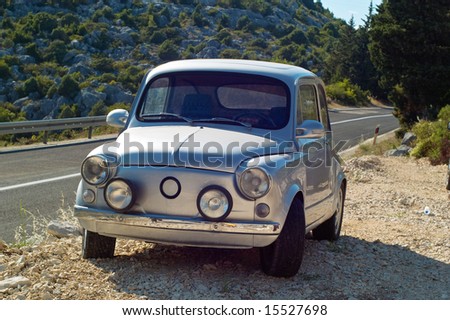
[[117, 118], [310, 129]]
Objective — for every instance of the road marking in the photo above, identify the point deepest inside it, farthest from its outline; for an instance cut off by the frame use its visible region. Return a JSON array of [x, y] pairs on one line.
[[363, 118], [33, 183]]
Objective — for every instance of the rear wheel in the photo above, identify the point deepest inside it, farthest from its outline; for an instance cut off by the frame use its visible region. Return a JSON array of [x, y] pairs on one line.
[[97, 246], [284, 256], [331, 229]]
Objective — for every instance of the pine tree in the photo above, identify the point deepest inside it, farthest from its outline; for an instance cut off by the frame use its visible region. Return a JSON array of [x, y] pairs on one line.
[[410, 46]]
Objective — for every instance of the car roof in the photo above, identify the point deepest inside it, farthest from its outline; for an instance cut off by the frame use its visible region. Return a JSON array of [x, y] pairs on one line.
[[285, 72]]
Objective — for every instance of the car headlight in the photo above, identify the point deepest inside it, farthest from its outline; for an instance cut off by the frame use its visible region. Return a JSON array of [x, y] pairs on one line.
[[119, 195], [254, 183], [214, 203], [95, 170]]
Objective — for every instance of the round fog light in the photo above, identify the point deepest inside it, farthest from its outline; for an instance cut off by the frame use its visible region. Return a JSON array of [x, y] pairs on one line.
[[119, 195], [88, 196], [262, 210], [214, 203]]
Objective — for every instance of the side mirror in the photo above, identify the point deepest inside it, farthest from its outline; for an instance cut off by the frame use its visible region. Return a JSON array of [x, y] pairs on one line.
[[117, 118], [448, 125], [310, 129]]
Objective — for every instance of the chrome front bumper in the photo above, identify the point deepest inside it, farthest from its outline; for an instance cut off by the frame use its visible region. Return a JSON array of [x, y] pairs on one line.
[[189, 232]]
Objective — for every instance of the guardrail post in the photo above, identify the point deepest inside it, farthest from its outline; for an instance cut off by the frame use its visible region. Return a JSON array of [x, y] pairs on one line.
[[45, 138], [90, 133]]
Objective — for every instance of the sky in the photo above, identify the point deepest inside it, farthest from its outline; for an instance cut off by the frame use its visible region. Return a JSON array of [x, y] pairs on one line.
[[344, 9]]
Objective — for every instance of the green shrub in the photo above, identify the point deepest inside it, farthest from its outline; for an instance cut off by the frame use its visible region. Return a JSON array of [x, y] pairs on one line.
[[102, 64], [224, 22], [259, 43], [259, 6], [6, 115], [7, 23], [69, 87], [168, 51], [433, 138], [198, 18], [157, 37], [67, 112], [107, 77], [20, 36], [5, 71], [245, 24], [39, 84], [98, 109], [44, 22], [347, 93], [127, 17], [105, 12], [44, 85], [59, 34], [56, 51], [68, 20], [131, 77], [103, 41], [297, 36], [292, 53], [30, 85], [230, 54], [33, 51], [224, 36]]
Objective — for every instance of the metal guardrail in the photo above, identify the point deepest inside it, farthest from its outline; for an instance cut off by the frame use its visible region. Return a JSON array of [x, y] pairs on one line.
[[51, 125]]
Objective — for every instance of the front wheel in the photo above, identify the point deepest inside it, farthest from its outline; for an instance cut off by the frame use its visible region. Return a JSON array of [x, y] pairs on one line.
[[284, 256], [331, 229], [97, 246]]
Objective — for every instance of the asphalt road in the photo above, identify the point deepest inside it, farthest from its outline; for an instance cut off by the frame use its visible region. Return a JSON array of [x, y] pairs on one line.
[[41, 181]]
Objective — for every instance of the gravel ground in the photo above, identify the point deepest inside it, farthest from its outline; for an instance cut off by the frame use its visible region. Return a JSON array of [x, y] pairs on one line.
[[389, 249]]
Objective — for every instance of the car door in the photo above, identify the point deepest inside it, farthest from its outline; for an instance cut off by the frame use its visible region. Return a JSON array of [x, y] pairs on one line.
[[328, 145], [313, 151]]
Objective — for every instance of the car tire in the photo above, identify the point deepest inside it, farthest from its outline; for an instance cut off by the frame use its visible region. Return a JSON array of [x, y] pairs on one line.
[[331, 229], [284, 256], [97, 246]]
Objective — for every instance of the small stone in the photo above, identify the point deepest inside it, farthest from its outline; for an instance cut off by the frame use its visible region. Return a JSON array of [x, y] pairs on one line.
[[408, 139], [61, 229], [46, 296], [3, 246], [14, 282], [21, 260]]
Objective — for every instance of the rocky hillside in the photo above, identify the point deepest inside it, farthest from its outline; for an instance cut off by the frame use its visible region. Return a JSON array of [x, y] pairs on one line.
[[85, 57]]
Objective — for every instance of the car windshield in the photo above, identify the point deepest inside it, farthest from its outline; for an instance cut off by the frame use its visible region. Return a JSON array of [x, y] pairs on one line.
[[217, 97]]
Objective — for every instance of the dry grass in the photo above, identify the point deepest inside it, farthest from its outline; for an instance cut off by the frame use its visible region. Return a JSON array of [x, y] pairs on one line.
[[378, 149], [33, 229]]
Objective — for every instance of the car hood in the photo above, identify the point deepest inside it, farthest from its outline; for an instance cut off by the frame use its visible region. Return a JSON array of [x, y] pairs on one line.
[[191, 146]]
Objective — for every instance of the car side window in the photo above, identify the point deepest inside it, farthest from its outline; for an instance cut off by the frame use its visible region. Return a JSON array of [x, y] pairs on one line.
[[323, 108], [155, 101], [307, 104]]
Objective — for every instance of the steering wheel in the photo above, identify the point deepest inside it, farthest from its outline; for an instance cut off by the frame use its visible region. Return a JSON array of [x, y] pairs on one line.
[[255, 116]]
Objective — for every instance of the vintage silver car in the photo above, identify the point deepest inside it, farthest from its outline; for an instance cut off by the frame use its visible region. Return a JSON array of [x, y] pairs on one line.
[[217, 153]]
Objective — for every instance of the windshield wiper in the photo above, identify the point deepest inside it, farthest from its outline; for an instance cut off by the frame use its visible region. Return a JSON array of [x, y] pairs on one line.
[[244, 124], [166, 114]]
